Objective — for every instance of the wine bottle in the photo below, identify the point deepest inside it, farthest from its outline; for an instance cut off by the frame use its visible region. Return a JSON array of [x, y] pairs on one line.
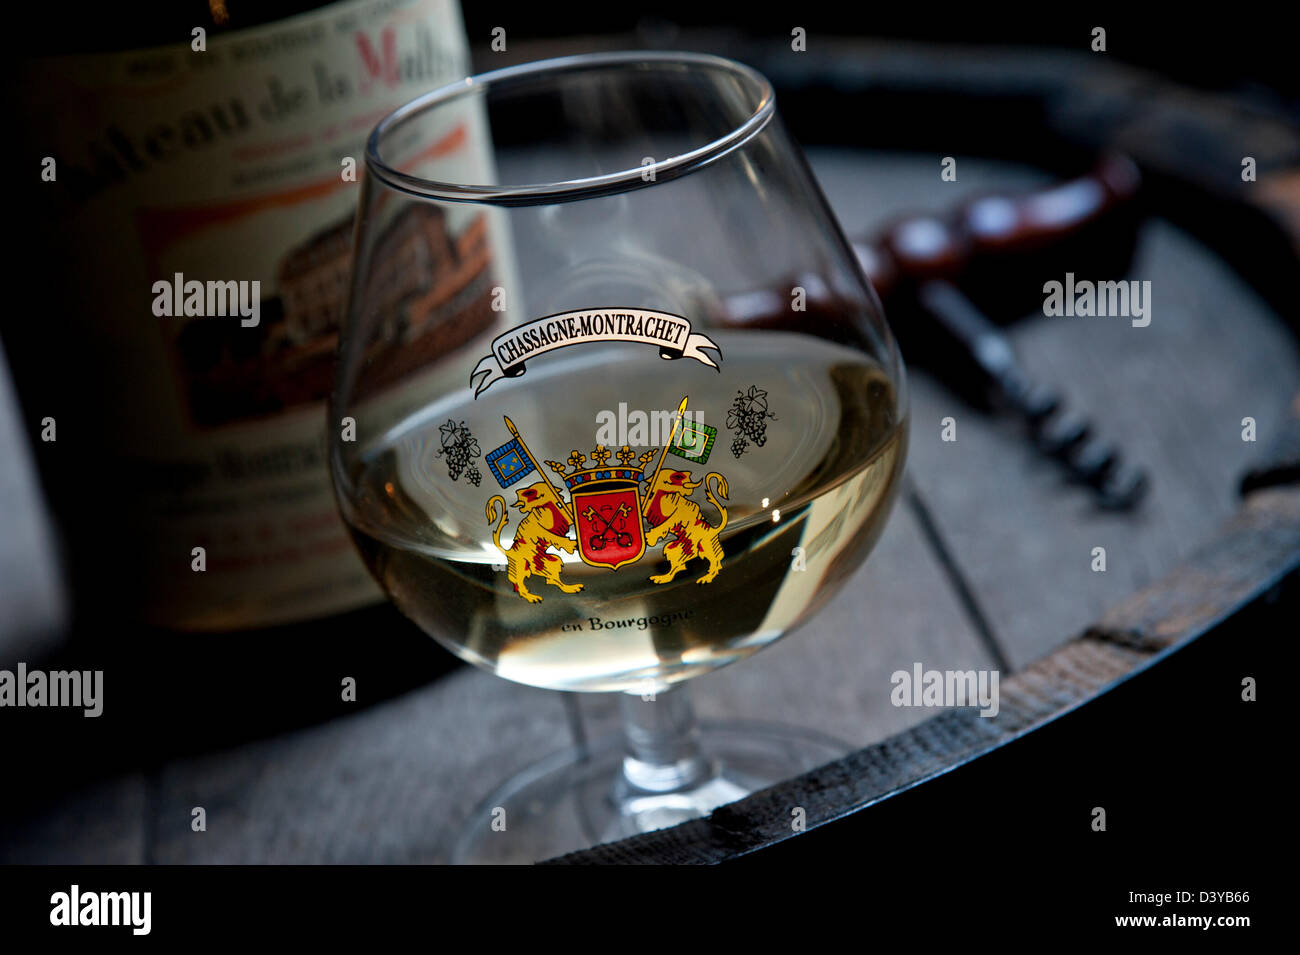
[[191, 179]]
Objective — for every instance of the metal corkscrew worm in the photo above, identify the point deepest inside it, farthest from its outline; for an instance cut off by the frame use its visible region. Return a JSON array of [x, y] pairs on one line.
[[1000, 249], [1065, 437]]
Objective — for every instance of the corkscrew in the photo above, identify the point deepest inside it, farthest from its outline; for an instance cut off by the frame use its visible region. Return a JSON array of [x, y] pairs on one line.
[[941, 278], [929, 269], [1063, 436]]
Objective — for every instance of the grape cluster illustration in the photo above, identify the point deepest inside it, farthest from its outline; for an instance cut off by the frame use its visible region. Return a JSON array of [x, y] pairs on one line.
[[748, 417], [460, 449]]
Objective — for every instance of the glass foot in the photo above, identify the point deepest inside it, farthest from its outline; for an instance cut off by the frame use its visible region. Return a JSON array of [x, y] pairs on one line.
[[574, 799]]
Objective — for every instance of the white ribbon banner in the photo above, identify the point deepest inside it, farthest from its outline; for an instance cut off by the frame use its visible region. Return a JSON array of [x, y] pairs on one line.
[[670, 333]]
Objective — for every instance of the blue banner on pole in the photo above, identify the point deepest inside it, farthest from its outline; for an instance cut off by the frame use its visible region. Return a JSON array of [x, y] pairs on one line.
[[509, 463]]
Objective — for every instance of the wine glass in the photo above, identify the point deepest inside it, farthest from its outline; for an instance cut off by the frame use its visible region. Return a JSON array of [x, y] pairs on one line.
[[615, 407]]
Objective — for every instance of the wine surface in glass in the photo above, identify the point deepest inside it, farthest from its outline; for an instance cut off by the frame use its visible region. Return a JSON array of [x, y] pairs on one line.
[[803, 509]]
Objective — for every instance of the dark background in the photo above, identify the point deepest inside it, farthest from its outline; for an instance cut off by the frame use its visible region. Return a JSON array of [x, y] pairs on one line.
[[1214, 49], [1224, 52]]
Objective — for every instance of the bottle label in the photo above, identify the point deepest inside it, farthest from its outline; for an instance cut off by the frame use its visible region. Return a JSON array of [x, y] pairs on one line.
[[208, 197]]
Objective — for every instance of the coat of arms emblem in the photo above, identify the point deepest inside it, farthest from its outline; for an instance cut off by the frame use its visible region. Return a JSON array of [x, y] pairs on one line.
[[612, 520], [606, 506]]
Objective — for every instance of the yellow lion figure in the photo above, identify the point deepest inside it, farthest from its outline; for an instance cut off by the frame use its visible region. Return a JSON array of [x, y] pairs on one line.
[[671, 511], [543, 526]]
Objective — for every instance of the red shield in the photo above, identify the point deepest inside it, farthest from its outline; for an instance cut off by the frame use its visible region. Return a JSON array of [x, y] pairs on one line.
[[609, 523]]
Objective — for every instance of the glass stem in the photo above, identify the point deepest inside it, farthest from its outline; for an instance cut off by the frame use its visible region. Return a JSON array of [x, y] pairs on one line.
[[662, 743]]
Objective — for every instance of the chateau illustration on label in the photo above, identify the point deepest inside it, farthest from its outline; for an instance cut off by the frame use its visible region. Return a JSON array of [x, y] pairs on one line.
[[433, 289]]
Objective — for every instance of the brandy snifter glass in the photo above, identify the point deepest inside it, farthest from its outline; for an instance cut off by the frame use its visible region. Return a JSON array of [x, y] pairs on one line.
[[615, 407]]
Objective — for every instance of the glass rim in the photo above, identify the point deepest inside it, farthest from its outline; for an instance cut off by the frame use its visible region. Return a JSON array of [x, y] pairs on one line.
[[638, 177]]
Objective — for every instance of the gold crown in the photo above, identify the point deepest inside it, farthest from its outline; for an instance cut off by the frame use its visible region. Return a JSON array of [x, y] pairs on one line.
[[601, 470]]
